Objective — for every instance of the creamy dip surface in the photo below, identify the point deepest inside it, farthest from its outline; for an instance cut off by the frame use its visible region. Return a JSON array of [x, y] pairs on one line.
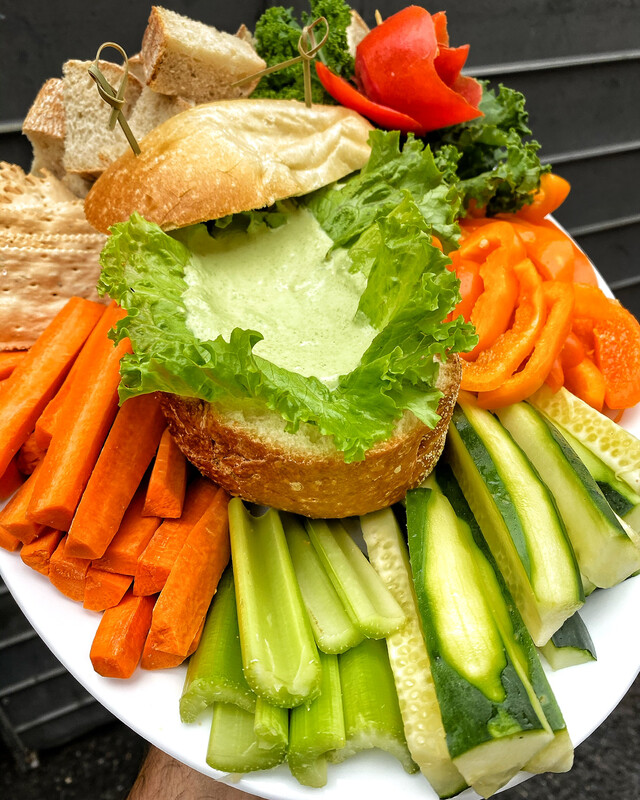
[[283, 283]]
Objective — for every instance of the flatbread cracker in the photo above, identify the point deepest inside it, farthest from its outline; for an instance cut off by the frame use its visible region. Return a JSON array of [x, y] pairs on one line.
[[48, 253]]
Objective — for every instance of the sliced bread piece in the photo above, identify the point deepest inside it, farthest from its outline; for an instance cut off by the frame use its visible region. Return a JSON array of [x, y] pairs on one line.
[[44, 126], [151, 110], [188, 58], [88, 136]]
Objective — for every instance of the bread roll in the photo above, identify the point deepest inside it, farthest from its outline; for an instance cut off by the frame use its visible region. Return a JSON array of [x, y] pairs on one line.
[[229, 156], [250, 455]]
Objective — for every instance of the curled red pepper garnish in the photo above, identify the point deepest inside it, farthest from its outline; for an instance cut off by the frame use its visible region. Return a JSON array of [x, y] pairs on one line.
[[405, 66]]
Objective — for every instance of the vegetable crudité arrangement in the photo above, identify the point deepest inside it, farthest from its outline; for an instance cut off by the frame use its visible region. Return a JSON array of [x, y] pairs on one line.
[[427, 646]]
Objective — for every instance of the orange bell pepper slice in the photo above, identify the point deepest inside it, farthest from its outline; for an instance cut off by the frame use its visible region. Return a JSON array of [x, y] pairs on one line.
[[587, 382], [573, 352], [496, 364], [471, 285], [555, 378], [559, 297], [551, 195], [617, 354], [550, 250], [498, 248]]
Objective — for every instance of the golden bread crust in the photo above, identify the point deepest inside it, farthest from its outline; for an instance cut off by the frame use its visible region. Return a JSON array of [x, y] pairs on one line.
[[315, 484], [229, 156]]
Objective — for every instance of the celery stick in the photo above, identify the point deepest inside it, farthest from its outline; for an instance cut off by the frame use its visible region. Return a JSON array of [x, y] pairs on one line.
[[318, 729], [366, 598], [331, 624], [215, 672], [409, 659], [271, 725], [279, 653], [371, 712], [233, 744]]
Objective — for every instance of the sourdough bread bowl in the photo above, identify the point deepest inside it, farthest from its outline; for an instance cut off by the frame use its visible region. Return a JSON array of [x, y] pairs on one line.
[[228, 157]]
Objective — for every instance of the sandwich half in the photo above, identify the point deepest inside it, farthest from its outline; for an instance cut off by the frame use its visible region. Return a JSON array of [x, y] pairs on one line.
[[287, 295]]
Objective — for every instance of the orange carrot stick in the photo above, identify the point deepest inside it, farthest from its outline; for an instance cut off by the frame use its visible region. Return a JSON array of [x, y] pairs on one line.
[[29, 455], [168, 481], [131, 538], [160, 554], [183, 603], [8, 541], [104, 589], [559, 297], [14, 515], [68, 574], [37, 554], [156, 659], [81, 428], [9, 361], [120, 637], [124, 459], [34, 382], [11, 479], [90, 351]]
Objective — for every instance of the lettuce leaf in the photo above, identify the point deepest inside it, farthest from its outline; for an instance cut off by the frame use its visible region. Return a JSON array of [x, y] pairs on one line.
[[347, 210], [409, 292]]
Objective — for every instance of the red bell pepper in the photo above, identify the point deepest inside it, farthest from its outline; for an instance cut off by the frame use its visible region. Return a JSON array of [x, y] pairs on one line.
[[396, 66], [350, 97]]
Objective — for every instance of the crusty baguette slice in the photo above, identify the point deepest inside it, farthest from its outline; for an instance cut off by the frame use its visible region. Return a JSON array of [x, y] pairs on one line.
[[251, 455], [44, 126], [88, 136], [187, 58], [234, 155]]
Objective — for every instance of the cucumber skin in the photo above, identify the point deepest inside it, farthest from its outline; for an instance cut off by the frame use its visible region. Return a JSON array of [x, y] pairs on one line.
[[538, 679], [542, 617], [466, 730], [500, 494], [603, 549]]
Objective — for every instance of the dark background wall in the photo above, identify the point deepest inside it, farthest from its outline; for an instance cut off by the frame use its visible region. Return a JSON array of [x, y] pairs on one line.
[[578, 62]]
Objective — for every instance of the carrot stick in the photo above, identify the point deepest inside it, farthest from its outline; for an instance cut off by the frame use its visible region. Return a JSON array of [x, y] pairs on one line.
[[37, 554], [168, 481], [11, 479], [29, 455], [104, 589], [9, 361], [131, 538], [120, 637], [14, 515], [34, 382], [156, 659], [183, 603], [8, 541], [124, 459], [81, 428], [160, 554], [68, 574], [90, 351]]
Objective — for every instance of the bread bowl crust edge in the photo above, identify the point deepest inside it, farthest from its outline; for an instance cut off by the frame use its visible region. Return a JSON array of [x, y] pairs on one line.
[[314, 485]]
